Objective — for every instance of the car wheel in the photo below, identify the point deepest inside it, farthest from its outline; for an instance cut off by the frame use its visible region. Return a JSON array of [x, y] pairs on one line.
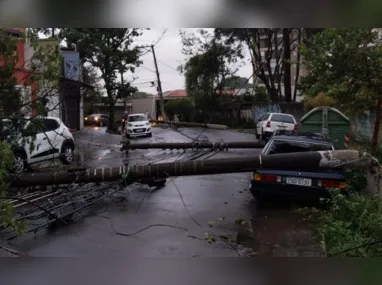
[[67, 154], [19, 165], [150, 135]]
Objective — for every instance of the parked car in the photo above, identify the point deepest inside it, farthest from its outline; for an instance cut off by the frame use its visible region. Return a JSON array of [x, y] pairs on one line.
[[299, 184], [138, 125], [271, 122], [97, 120], [36, 140]]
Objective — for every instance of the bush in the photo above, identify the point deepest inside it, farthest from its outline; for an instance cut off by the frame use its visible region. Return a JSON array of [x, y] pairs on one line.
[[350, 223], [351, 220], [180, 107], [6, 210], [319, 101]]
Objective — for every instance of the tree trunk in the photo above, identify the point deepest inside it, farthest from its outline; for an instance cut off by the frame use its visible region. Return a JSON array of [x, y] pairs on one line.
[[374, 141], [286, 64], [111, 126], [298, 61]]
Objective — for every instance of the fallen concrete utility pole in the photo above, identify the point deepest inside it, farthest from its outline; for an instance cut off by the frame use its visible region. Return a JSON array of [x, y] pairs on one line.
[[196, 145], [307, 161], [190, 125]]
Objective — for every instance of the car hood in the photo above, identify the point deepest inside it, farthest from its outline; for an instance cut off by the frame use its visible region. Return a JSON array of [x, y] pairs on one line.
[[139, 124]]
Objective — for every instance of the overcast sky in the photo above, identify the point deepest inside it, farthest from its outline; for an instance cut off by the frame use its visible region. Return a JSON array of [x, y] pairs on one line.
[[169, 56]]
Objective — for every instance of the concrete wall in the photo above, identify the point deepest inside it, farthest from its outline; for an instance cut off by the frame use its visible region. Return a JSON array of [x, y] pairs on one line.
[[362, 126], [144, 105]]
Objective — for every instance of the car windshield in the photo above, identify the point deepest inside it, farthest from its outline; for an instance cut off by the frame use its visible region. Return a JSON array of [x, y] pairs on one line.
[[286, 146], [282, 118], [137, 118]]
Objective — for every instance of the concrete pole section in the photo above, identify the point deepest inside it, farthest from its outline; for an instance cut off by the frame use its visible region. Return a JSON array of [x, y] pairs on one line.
[[305, 161], [196, 145], [190, 125]]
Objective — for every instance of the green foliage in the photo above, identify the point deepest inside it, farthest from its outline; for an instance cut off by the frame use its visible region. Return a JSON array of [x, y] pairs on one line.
[[351, 219], [6, 210], [111, 52], [343, 64], [207, 71], [261, 95], [351, 222], [182, 108]]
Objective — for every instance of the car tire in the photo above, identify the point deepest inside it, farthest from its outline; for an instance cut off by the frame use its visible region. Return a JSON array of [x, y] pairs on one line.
[[67, 154], [20, 165], [261, 137], [150, 135]]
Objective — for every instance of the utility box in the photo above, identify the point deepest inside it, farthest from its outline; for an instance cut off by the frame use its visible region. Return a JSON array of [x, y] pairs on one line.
[[330, 122]]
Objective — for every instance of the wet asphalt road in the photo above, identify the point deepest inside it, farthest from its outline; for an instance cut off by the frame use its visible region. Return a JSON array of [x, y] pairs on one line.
[[214, 204]]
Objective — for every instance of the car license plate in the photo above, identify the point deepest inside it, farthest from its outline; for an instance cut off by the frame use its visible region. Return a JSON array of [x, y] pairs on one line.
[[140, 130], [299, 181]]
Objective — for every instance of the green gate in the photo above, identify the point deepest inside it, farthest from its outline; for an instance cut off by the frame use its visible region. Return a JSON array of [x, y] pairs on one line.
[[329, 122]]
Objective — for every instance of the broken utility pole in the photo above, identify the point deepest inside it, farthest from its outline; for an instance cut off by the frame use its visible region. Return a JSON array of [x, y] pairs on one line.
[[187, 124], [160, 92], [196, 145], [306, 161]]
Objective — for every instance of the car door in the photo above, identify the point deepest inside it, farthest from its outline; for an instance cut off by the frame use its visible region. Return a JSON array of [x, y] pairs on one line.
[[54, 136], [37, 145]]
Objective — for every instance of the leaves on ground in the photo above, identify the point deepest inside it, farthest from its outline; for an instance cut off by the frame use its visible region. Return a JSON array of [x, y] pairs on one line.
[[241, 221], [211, 224]]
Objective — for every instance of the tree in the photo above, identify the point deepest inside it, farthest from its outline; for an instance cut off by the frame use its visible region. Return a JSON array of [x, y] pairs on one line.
[[237, 82], [111, 52], [43, 72], [207, 71], [182, 108], [346, 64], [254, 40], [270, 55]]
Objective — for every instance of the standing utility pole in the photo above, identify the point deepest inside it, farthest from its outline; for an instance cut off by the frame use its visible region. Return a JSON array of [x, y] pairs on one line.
[[159, 86]]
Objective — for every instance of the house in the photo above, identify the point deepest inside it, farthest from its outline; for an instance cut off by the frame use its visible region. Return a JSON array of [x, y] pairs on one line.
[[21, 71]]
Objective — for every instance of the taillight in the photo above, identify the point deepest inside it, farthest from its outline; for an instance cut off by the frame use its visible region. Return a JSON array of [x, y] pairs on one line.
[[295, 128], [335, 184], [268, 124], [267, 178]]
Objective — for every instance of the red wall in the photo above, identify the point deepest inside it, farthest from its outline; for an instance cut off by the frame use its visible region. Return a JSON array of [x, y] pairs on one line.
[[21, 73]]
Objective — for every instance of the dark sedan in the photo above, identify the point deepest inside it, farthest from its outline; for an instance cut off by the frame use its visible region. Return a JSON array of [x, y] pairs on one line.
[[97, 120], [296, 184]]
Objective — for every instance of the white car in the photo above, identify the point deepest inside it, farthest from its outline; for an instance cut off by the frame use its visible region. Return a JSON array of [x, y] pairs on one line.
[[37, 140], [272, 122], [138, 125]]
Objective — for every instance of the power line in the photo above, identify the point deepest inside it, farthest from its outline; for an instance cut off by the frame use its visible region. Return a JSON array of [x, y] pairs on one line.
[[147, 68], [165, 64]]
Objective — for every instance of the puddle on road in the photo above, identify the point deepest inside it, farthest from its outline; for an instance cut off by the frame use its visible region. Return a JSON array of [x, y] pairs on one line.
[[277, 232]]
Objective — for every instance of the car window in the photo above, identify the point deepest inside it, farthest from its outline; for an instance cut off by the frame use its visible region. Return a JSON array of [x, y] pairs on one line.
[[282, 118], [280, 146], [137, 118], [265, 117], [36, 126], [50, 125]]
